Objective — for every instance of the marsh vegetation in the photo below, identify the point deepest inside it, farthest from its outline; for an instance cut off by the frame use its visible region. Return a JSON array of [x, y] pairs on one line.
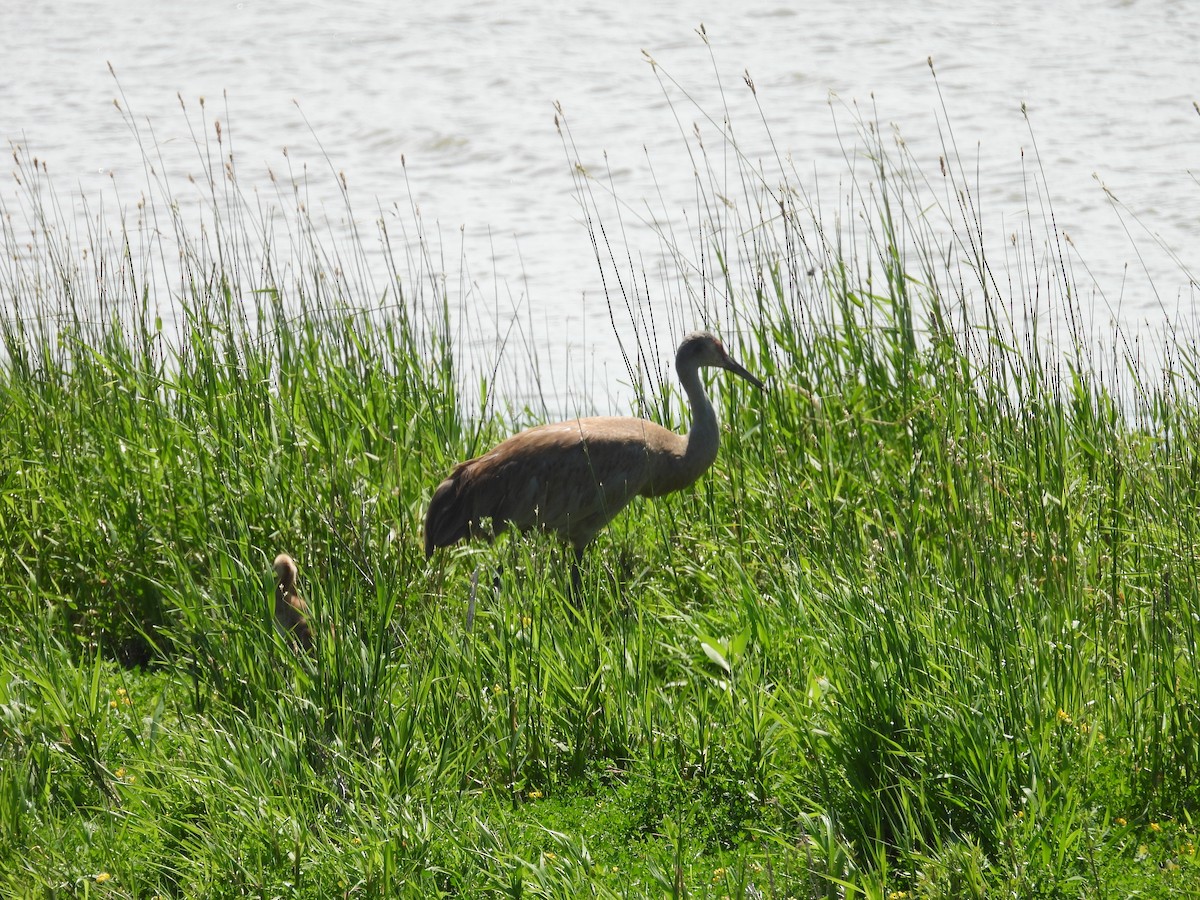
[[927, 628]]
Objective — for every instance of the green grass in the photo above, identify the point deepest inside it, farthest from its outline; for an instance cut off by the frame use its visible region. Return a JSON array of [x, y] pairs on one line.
[[928, 628]]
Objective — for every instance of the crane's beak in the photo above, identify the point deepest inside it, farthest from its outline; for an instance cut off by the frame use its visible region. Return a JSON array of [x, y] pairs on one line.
[[738, 369]]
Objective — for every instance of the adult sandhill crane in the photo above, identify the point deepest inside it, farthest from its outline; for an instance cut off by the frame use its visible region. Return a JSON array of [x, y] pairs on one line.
[[291, 612], [573, 477]]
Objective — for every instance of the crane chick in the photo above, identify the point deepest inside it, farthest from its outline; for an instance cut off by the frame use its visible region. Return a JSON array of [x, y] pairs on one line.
[[573, 477], [291, 612]]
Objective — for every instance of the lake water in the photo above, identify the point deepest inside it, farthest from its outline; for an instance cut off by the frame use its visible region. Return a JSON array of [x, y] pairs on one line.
[[465, 93]]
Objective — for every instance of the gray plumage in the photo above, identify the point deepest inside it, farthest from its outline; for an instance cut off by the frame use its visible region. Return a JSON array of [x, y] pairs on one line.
[[573, 477]]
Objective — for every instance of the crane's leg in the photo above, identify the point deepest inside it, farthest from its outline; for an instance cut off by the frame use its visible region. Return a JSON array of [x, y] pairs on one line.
[[473, 595], [577, 579]]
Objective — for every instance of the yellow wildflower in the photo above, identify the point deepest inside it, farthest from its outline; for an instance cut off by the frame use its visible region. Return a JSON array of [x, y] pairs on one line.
[[1064, 717], [534, 795], [1120, 821], [102, 877], [550, 857], [1155, 827], [120, 773]]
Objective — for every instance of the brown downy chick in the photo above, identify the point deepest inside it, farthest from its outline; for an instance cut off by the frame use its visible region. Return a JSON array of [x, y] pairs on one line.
[[291, 612]]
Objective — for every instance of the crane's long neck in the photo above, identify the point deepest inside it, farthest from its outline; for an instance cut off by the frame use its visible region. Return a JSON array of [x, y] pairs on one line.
[[704, 435]]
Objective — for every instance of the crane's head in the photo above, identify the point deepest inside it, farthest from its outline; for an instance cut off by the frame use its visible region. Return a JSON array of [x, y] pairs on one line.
[[700, 349]]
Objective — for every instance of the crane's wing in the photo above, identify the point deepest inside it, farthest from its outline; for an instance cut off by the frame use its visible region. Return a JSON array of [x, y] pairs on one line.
[[571, 478]]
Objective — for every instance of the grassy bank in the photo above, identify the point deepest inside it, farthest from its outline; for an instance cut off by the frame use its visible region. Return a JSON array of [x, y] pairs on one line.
[[928, 628]]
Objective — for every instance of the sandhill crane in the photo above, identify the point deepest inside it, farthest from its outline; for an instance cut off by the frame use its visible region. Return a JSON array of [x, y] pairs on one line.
[[291, 612], [573, 477]]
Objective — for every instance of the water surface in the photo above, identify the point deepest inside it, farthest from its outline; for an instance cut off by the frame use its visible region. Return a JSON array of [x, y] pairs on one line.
[[465, 93]]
